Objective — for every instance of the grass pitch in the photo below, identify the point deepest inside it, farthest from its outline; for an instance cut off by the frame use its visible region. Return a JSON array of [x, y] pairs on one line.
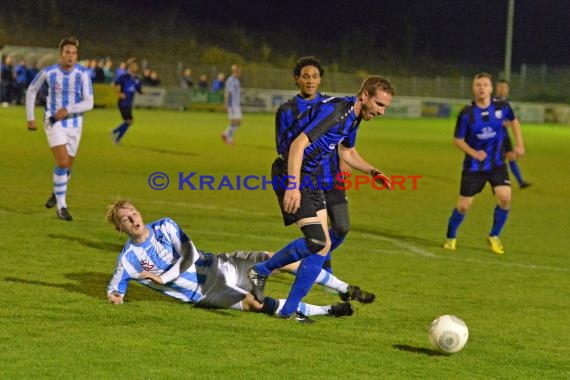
[[56, 323]]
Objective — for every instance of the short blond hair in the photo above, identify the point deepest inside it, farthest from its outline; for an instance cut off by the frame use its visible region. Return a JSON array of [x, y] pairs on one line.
[[112, 216]]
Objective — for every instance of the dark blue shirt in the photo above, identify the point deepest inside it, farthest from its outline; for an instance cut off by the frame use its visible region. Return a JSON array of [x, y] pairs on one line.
[[482, 129], [326, 122], [129, 85]]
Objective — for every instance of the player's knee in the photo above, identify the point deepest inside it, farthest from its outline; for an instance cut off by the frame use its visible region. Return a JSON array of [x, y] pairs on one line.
[[504, 202], [315, 238], [340, 230], [64, 162]]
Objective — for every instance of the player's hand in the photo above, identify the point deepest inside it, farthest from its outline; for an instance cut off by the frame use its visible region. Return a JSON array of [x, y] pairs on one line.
[[61, 114], [115, 298], [344, 169], [32, 126], [480, 155], [151, 276], [381, 179], [519, 150], [291, 201]]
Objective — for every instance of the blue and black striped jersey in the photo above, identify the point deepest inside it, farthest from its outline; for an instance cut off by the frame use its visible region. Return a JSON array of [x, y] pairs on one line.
[[327, 123], [482, 129]]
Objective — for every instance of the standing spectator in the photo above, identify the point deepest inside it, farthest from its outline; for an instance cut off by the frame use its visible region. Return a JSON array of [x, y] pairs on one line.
[[126, 86], [7, 81], [146, 79], [203, 83], [121, 70], [218, 83], [70, 94], [232, 99], [186, 81], [108, 71], [20, 82], [154, 79]]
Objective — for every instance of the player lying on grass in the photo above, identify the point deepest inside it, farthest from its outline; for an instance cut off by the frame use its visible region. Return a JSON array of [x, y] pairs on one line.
[[161, 256]]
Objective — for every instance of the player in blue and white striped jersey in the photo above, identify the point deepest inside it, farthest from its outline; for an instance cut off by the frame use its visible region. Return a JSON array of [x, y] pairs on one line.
[[161, 256], [232, 104], [70, 94]]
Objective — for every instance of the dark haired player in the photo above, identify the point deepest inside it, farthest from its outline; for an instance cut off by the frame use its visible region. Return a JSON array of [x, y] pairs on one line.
[[302, 149]]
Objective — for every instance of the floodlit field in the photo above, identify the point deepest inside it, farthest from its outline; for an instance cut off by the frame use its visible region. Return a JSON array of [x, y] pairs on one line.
[[56, 323]]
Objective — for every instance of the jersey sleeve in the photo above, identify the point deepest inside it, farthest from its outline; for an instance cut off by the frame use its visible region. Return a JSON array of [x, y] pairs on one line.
[[462, 124], [120, 280], [32, 92], [182, 246], [325, 118], [509, 113], [350, 141]]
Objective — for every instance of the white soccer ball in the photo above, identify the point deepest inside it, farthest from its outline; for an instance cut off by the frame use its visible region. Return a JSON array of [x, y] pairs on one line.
[[448, 334]]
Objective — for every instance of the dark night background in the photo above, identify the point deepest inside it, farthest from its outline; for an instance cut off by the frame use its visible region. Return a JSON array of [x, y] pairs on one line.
[[423, 37], [445, 29]]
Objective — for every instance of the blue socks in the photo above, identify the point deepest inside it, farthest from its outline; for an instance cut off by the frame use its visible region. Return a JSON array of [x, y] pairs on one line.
[[121, 130], [454, 222], [307, 273], [294, 251], [516, 172], [499, 218]]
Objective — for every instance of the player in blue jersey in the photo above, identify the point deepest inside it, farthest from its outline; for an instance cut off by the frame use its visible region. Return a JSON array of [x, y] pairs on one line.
[[126, 86], [502, 93], [307, 74], [479, 133], [232, 104], [70, 94], [302, 149], [160, 255]]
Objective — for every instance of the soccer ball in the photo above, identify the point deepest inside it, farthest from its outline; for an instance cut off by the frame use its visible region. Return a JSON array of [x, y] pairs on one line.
[[448, 334]]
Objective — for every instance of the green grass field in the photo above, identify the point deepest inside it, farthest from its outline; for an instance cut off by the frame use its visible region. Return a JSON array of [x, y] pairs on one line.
[[56, 323]]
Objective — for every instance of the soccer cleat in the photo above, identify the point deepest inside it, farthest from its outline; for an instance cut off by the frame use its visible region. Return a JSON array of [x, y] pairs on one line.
[[496, 245], [228, 140], [450, 244], [341, 309], [64, 214], [298, 317], [51, 202], [257, 284], [354, 293], [524, 185], [115, 136]]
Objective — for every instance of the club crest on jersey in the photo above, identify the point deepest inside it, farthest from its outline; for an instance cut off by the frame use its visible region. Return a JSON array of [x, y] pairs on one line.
[[486, 133], [499, 114], [147, 265]]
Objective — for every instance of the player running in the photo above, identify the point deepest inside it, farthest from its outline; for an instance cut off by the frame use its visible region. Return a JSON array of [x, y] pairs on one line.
[[126, 86], [69, 95]]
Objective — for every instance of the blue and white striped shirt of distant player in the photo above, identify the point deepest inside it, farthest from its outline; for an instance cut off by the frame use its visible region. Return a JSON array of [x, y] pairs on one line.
[[233, 89], [161, 254], [71, 89]]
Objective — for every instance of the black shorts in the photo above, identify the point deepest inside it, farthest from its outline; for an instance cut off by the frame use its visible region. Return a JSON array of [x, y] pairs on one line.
[[334, 195], [473, 182], [311, 200], [126, 112], [507, 144]]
